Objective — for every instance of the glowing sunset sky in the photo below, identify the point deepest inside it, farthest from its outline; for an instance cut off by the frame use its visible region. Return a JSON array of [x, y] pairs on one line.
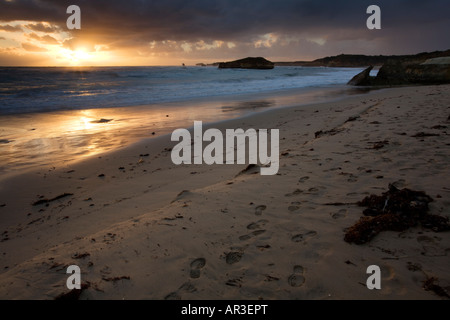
[[171, 32]]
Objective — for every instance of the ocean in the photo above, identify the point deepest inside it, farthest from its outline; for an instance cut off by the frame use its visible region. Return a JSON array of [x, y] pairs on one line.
[[50, 116], [25, 90]]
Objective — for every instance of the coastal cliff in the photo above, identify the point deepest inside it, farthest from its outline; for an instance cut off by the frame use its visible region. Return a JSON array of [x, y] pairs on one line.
[[359, 61], [406, 72]]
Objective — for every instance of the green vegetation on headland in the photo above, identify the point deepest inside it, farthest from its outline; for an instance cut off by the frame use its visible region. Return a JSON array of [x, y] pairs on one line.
[[356, 61]]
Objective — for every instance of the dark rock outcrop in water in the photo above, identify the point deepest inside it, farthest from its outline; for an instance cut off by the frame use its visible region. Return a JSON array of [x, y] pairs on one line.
[[404, 73], [407, 72], [248, 63], [361, 79]]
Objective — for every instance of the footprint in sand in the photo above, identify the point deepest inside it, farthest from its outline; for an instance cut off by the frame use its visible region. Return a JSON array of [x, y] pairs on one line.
[[257, 224], [295, 206], [196, 266], [425, 240], [313, 190], [297, 279], [304, 236], [294, 193], [173, 296], [414, 266], [186, 287], [431, 246], [259, 210], [340, 214], [251, 235], [233, 257], [303, 179]]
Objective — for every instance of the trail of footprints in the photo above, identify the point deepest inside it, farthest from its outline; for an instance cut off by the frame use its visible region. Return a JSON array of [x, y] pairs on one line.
[[296, 279], [196, 266]]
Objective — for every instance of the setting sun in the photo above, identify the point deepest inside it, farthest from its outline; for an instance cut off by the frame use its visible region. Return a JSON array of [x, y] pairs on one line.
[[75, 57], [81, 57]]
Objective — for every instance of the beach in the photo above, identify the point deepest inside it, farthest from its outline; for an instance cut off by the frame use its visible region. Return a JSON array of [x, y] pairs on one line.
[[140, 227]]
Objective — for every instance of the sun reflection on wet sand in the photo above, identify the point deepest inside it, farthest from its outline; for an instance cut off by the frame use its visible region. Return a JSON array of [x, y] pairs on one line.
[[57, 137], [50, 139]]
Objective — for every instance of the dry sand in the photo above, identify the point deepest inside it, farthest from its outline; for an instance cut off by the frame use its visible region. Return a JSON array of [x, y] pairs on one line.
[[153, 230]]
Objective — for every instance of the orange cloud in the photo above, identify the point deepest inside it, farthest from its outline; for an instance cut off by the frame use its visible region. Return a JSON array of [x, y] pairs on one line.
[[32, 48], [45, 39]]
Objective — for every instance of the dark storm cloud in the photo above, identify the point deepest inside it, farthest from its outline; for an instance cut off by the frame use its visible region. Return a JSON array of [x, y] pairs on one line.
[[406, 24]]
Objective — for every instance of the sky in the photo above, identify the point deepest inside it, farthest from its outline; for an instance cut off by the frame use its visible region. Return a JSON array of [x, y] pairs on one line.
[[171, 32]]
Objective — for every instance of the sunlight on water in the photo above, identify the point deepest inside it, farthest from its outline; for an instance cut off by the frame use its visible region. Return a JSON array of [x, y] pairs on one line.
[[53, 138]]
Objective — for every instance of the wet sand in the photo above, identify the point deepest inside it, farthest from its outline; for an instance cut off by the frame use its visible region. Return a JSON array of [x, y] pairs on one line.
[[140, 227], [52, 139]]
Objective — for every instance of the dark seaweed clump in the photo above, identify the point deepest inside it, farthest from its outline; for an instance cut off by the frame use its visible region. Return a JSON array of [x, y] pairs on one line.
[[394, 210]]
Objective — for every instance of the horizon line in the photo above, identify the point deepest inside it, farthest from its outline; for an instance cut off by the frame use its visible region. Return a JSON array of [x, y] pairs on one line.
[[211, 63]]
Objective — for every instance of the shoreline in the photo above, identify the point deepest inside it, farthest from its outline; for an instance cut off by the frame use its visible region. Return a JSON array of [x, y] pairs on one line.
[[269, 237], [52, 139]]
